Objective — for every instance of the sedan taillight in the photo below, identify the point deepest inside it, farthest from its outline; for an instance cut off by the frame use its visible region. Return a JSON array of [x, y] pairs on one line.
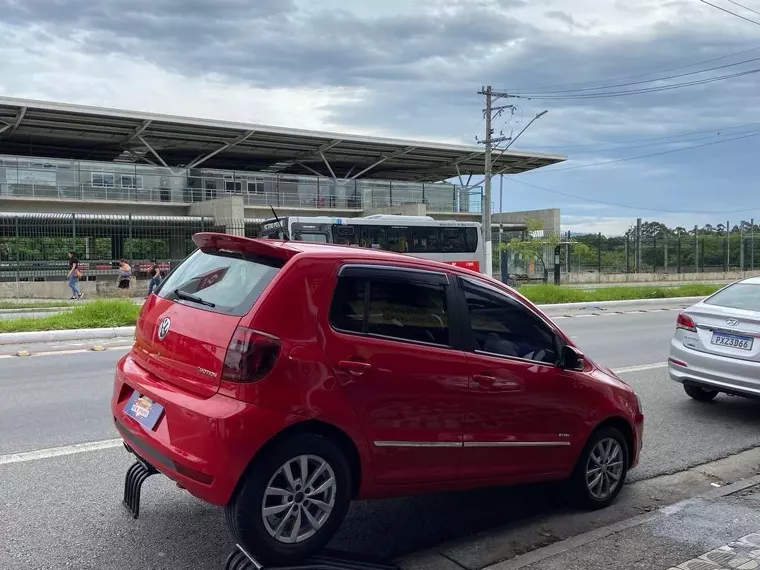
[[251, 355], [686, 323]]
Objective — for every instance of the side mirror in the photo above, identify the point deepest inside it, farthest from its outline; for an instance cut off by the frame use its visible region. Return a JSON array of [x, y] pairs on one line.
[[572, 358]]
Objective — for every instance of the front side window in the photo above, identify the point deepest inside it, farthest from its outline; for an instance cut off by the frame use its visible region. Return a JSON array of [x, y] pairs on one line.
[[504, 327]]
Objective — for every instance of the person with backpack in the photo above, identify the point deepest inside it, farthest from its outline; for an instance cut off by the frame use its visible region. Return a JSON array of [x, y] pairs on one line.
[[72, 278]]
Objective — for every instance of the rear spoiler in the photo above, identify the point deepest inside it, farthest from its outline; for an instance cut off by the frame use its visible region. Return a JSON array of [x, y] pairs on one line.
[[269, 248]]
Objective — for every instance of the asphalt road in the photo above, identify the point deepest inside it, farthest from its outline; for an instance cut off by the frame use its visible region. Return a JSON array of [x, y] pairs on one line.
[[66, 512]]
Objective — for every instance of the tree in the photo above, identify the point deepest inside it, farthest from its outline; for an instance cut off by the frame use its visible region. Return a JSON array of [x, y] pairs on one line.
[[539, 246]]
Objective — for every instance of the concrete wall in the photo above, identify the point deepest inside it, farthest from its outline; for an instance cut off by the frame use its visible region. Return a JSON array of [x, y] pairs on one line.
[[550, 218], [591, 277], [105, 288], [57, 205]]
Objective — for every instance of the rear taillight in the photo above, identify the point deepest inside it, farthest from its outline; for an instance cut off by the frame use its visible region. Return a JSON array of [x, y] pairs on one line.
[[251, 355], [686, 323]]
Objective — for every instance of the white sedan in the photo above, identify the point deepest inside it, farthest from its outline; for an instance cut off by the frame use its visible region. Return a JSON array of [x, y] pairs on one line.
[[716, 346]]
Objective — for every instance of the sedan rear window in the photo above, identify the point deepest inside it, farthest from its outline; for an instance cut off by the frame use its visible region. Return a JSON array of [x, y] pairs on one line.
[[744, 296], [226, 282]]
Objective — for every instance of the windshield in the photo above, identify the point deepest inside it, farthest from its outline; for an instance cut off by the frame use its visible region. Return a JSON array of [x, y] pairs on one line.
[[745, 296], [223, 281]]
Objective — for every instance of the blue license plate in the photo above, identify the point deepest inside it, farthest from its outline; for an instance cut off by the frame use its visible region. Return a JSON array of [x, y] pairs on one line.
[[144, 410]]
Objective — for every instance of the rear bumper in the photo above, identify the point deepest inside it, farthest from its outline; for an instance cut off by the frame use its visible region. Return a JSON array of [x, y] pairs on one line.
[[204, 444], [713, 371]]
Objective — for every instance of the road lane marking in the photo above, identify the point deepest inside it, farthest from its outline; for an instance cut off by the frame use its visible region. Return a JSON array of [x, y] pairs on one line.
[[59, 451], [640, 367]]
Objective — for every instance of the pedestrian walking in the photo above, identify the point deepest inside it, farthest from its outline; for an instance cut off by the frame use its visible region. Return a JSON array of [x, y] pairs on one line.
[[155, 277], [73, 276], [125, 277]]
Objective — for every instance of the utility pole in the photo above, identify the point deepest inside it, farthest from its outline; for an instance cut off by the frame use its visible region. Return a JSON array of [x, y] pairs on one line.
[[489, 143]]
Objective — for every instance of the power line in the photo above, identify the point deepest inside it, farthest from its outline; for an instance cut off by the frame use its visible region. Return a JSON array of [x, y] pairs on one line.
[[638, 91], [628, 206], [652, 144], [679, 135], [648, 80], [668, 70], [730, 12], [745, 7], [661, 153]]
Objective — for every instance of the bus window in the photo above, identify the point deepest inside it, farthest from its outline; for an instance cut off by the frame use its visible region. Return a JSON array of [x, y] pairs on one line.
[[345, 235], [312, 237], [373, 237], [398, 240], [426, 240], [453, 240], [471, 239]]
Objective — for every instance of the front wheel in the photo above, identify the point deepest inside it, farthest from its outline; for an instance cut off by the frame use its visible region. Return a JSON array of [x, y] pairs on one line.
[[601, 470], [292, 501], [700, 394]]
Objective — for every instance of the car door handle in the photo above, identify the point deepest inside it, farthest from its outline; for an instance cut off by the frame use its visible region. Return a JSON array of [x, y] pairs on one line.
[[484, 380], [355, 367]]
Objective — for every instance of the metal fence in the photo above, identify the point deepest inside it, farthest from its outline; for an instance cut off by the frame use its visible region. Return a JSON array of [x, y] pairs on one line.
[[674, 252], [34, 247]]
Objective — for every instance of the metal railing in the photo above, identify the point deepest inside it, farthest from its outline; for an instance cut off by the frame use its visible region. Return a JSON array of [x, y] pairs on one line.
[[436, 201]]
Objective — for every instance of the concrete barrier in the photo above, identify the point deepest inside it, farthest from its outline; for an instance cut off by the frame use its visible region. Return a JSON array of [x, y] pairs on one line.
[[66, 335]]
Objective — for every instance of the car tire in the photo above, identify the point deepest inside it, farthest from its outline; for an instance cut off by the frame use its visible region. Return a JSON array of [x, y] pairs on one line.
[[262, 488], [700, 394], [605, 455]]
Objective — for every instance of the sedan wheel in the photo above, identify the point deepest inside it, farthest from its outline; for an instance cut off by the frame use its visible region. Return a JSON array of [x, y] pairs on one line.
[[700, 394]]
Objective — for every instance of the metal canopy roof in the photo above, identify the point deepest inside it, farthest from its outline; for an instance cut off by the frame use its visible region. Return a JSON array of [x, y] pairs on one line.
[[59, 130]]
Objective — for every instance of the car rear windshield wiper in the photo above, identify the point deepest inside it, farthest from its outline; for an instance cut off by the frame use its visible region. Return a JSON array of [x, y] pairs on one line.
[[192, 298]]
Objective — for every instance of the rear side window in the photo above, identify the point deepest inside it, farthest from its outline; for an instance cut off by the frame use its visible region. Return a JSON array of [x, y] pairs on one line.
[[395, 308], [230, 281], [744, 296]]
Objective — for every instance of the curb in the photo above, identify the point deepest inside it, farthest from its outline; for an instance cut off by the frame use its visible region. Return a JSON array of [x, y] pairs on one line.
[[65, 335], [574, 542], [629, 302], [37, 310]]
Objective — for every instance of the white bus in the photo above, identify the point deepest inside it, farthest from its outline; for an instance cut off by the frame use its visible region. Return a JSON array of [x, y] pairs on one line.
[[456, 243]]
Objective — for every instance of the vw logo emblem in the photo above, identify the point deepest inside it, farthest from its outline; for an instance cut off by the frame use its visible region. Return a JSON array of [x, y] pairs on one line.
[[163, 328], [732, 322]]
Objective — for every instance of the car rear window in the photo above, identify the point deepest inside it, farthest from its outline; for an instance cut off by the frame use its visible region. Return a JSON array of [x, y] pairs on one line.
[[231, 281], [738, 296]]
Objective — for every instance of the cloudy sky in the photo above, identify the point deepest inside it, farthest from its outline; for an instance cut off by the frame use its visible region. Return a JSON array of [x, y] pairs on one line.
[[413, 69]]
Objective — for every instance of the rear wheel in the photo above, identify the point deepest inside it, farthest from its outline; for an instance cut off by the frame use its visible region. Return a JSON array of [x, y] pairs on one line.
[[601, 470], [700, 394], [293, 500]]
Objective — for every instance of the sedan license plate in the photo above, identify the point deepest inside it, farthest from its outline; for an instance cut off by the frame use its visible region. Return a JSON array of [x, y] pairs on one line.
[[144, 410], [732, 341]]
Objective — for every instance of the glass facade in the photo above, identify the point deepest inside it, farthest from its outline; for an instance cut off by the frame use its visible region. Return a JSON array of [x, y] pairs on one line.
[[87, 180]]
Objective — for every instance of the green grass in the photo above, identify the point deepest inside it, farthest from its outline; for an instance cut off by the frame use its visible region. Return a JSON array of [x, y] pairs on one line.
[[552, 294], [5, 304], [94, 315]]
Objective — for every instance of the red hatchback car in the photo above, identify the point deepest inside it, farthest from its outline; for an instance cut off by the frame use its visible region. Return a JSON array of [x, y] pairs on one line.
[[283, 379]]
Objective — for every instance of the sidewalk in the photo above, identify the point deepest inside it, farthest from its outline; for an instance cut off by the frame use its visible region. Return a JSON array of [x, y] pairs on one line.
[[716, 532]]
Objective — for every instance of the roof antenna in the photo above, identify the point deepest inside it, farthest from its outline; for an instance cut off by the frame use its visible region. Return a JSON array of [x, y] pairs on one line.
[[285, 235]]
